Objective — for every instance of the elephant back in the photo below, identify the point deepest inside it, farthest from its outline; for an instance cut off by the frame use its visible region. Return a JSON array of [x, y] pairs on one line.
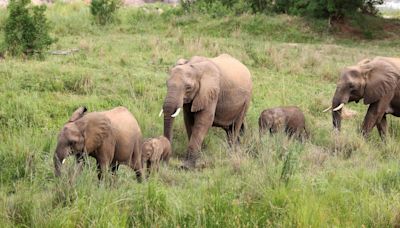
[[126, 128], [233, 71]]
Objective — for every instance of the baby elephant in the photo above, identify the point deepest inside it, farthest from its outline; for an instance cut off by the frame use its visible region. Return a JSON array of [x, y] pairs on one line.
[[154, 150], [290, 119]]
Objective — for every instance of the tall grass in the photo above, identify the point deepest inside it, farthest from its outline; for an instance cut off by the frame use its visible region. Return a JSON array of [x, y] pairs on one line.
[[330, 180]]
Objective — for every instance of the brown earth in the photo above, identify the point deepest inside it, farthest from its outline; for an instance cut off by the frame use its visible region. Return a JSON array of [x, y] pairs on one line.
[[385, 28]]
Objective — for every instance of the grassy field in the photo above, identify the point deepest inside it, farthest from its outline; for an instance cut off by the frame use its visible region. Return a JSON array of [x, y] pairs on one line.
[[341, 181]]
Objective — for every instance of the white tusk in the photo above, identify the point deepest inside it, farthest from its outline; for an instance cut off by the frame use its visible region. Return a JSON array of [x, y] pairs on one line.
[[161, 112], [338, 107], [63, 161], [330, 107], [176, 113]]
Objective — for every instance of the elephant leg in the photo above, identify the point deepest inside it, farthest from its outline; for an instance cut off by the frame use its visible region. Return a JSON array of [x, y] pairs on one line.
[[189, 120], [294, 133], [242, 130], [80, 162], [374, 114], [158, 165], [148, 168], [238, 125], [136, 160], [233, 133], [114, 168], [203, 121], [382, 127], [104, 156], [261, 127], [229, 134], [101, 168], [272, 130]]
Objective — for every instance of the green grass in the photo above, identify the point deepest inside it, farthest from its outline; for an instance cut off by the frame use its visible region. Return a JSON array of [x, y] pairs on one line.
[[341, 181]]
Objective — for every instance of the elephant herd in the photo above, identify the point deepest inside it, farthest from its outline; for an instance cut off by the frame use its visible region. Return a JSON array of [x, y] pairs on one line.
[[217, 92]]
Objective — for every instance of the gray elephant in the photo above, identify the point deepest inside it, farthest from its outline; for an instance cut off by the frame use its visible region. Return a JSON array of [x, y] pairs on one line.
[[112, 137], [377, 82], [155, 150], [289, 119], [212, 92]]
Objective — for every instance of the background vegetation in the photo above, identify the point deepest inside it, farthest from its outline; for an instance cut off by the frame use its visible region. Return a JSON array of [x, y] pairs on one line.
[[335, 9], [26, 29], [330, 180]]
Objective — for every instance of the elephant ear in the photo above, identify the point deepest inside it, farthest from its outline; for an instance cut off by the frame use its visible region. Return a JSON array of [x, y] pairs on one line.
[[78, 114], [381, 80], [209, 85], [364, 61], [96, 130], [157, 150], [181, 62]]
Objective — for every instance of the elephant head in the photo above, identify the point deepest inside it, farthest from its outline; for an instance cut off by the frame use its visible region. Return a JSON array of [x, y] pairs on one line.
[[150, 149], [81, 134], [194, 83], [369, 80]]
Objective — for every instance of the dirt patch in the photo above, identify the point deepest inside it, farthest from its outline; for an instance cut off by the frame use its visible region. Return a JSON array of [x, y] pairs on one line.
[[372, 28], [343, 28]]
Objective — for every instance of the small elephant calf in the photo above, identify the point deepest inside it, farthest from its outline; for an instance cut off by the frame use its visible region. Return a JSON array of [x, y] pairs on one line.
[[154, 150], [290, 119]]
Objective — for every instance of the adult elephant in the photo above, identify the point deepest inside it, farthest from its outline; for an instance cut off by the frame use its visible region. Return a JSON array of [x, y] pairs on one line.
[[377, 82], [212, 92], [112, 137]]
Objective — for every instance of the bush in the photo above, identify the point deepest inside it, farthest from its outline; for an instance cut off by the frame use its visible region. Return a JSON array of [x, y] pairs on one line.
[[104, 11], [26, 29], [216, 8], [313, 8], [327, 8]]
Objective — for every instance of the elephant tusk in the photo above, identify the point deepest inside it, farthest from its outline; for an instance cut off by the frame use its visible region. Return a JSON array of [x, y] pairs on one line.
[[63, 161], [338, 107], [330, 107], [176, 113], [161, 112]]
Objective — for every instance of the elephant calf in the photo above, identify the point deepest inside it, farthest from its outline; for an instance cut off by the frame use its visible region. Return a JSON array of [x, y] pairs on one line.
[[290, 119], [112, 137], [154, 150]]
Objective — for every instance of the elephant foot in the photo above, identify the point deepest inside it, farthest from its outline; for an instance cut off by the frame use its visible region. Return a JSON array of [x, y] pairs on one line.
[[188, 165]]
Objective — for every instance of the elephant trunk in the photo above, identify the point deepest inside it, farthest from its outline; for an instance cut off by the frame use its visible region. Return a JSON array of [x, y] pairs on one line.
[[171, 104], [58, 159], [337, 119], [338, 101], [168, 122]]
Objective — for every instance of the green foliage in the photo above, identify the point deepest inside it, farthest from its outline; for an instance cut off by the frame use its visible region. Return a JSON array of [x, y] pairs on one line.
[[327, 8], [104, 11], [313, 8], [26, 29]]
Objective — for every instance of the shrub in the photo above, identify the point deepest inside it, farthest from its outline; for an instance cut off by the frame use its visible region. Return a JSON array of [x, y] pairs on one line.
[[104, 11], [327, 8], [313, 8], [26, 29], [216, 8]]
